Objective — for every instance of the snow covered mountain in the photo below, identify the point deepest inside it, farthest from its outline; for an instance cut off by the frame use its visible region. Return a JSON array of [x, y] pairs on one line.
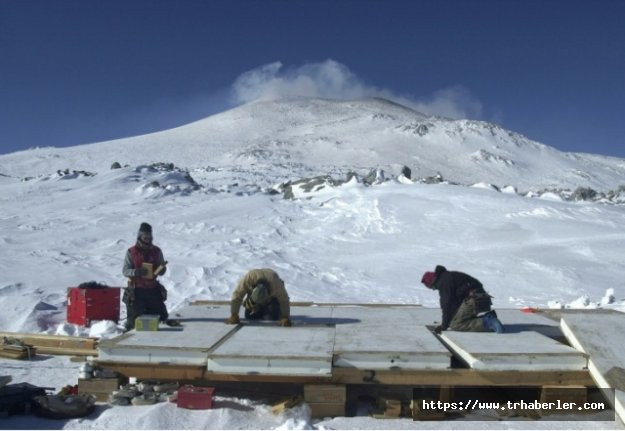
[[291, 138]]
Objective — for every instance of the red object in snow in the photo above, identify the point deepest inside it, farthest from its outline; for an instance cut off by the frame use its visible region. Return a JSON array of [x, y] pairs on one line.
[[195, 397], [87, 304], [528, 310]]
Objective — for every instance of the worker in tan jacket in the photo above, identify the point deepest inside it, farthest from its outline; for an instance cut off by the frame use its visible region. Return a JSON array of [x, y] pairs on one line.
[[264, 297]]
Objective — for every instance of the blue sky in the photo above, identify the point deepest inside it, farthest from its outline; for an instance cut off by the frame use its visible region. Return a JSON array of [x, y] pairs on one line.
[[80, 71]]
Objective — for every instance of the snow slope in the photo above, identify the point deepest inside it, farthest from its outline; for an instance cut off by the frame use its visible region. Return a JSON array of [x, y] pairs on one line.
[[215, 217]]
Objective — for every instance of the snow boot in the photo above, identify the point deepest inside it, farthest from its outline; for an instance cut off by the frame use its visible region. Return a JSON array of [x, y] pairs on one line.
[[173, 322]]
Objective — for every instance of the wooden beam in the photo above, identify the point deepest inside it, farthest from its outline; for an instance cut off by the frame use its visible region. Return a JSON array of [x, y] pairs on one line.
[[461, 377], [264, 378], [316, 304], [194, 372], [17, 352], [450, 377], [66, 351], [156, 371]]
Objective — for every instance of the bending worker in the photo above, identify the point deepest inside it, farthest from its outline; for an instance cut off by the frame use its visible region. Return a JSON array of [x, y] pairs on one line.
[[264, 297], [465, 304]]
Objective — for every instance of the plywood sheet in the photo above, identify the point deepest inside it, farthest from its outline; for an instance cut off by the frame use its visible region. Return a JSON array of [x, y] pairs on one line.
[[518, 351], [600, 336]]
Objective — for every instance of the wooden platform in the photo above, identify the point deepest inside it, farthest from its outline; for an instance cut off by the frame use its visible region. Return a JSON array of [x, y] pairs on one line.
[[333, 343]]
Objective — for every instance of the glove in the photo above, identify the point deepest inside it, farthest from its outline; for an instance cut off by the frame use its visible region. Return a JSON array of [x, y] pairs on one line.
[[141, 272], [129, 296], [233, 319], [438, 329], [285, 322]]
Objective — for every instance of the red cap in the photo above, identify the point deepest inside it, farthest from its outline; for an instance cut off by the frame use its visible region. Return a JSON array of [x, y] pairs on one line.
[[428, 279]]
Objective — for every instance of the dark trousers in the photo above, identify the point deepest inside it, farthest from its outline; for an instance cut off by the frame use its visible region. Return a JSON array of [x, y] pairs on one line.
[[270, 311], [145, 301], [466, 318]]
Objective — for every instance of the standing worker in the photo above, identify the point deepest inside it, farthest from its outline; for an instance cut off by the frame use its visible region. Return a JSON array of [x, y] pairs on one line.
[[463, 300], [264, 297], [145, 295]]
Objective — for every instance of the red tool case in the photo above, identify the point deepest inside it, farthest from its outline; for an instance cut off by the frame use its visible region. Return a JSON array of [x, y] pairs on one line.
[[195, 397], [87, 304]]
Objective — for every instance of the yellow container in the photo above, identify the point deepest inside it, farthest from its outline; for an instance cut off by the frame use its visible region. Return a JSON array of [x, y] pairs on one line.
[[147, 322]]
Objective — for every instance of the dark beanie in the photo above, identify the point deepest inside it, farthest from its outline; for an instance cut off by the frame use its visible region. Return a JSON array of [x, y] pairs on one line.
[[145, 228]]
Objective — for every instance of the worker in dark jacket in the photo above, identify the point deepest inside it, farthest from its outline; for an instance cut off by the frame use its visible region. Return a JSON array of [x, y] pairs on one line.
[[145, 295], [464, 302]]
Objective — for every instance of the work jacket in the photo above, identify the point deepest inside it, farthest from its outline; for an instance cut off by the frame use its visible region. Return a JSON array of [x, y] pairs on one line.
[[135, 257], [276, 290], [453, 288]]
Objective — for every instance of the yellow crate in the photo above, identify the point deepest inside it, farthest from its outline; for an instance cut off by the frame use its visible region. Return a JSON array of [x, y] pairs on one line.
[[147, 322]]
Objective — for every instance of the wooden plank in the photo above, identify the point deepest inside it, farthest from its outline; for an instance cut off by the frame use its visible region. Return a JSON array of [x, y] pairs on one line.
[[100, 388], [62, 351], [45, 340], [286, 404], [263, 378], [13, 354], [12, 351], [155, 371], [99, 385]]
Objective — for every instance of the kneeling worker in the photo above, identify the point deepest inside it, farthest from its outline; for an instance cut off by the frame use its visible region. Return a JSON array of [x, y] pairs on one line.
[[264, 297], [465, 304]]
